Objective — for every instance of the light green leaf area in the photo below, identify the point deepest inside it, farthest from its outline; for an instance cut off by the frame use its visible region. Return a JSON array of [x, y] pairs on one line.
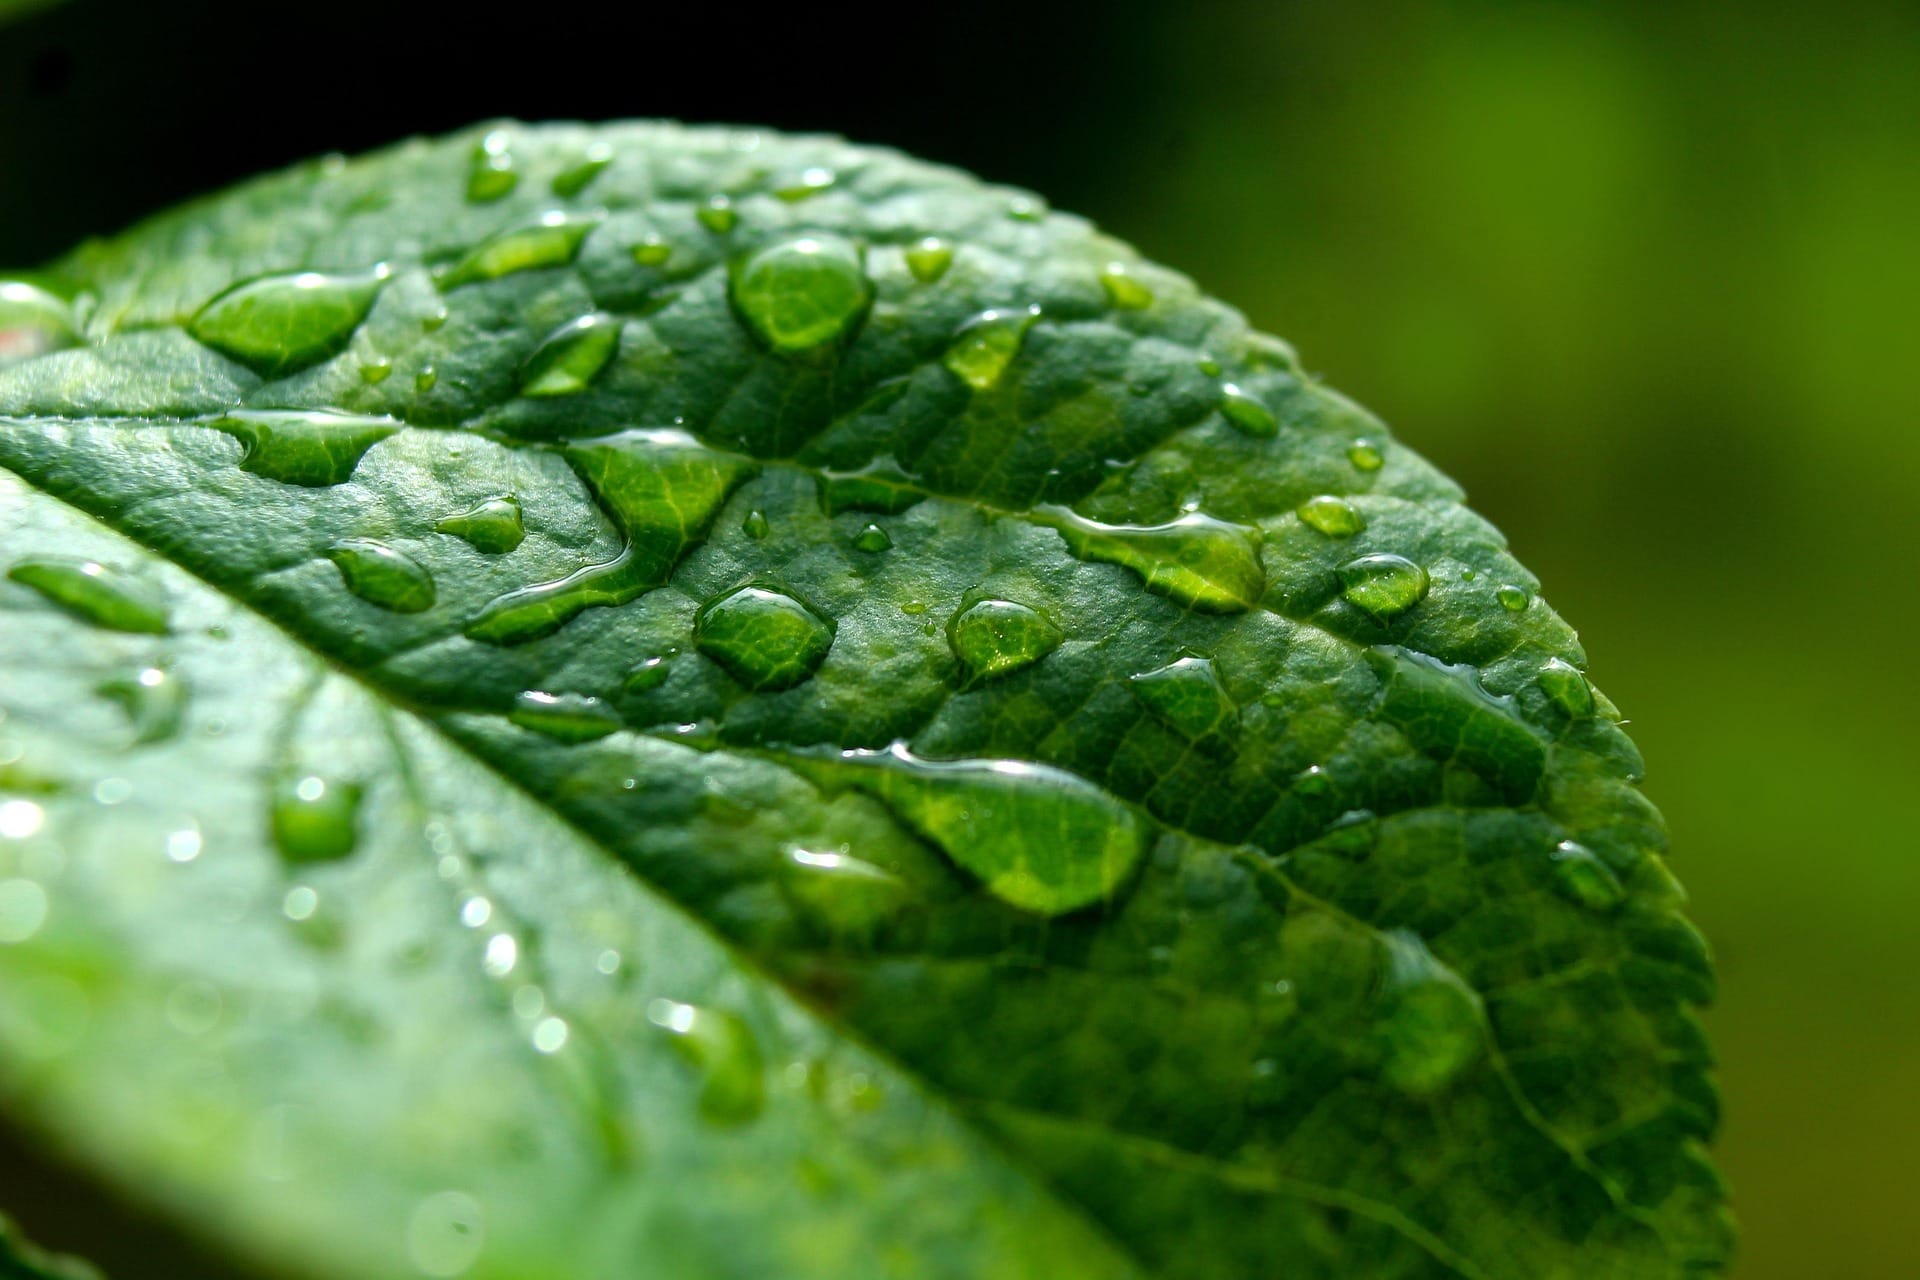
[[640, 700]]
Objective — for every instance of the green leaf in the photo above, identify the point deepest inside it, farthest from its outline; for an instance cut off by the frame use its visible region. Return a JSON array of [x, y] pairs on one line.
[[20, 1260], [823, 722]]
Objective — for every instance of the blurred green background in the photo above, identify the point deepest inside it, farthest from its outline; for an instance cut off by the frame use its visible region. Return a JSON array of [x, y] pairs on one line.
[[1645, 278]]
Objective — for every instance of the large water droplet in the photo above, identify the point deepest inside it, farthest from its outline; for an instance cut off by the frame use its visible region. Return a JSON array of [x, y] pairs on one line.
[[1331, 515], [764, 639], [313, 448], [1040, 838], [105, 596], [1187, 695], [566, 717], [882, 485], [570, 357], [155, 700], [314, 818], [1432, 1027], [803, 294], [491, 526], [722, 1048], [380, 575], [576, 177], [491, 171], [1248, 413], [280, 324], [552, 241], [1383, 584], [995, 637], [33, 322], [987, 344], [1198, 561], [1579, 875], [1567, 685], [929, 258]]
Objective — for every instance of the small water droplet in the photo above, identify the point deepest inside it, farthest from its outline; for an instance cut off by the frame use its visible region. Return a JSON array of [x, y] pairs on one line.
[[311, 448], [804, 294], [1187, 695], [1513, 599], [1567, 685], [277, 325], [23, 910], [445, 1234], [553, 240], [929, 258], [650, 673], [433, 320], [755, 524], [492, 173], [872, 539], [987, 344], [99, 594], [1432, 1028], [1246, 412], [491, 526], [1197, 561], [1383, 584], [1026, 208], [1365, 455], [1331, 515], [314, 819], [576, 177], [650, 250], [722, 1048], [382, 576], [1210, 366], [1580, 875], [764, 639], [1124, 290], [717, 215], [33, 322], [805, 185], [565, 717], [374, 372], [426, 379], [570, 357], [997, 637]]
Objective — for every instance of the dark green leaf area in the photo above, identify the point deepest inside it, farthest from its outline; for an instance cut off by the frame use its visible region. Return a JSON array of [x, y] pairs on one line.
[[1008, 674]]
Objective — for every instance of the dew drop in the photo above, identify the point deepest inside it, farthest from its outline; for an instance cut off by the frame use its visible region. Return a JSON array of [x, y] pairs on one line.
[[882, 485], [1210, 366], [764, 639], [553, 240], [650, 251], [1331, 515], [492, 173], [1383, 584], [281, 324], [576, 177], [434, 320], [987, 344], [426, 379], [1124, 290], [1246, 412], [804, 294], [1567, 685], [491, 526], [997, 637], [1365, 455], [570, 357], [382, 576], [755, 524], [1026, 209], [1187, 695], [840, 894], [565, 717], [97, 593], [1431, 1031], [722, 1048], [33, 322], [1513, 599], [1197, 561], [929, 258], [650, 673], [872, 539], [154, 699], [374, 372], [717, 215], [1582, 877], [804, 186], [312, 448], [314, 818]]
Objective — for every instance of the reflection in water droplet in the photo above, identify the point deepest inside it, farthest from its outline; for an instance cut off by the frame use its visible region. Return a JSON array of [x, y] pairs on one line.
[[23, 909], [570, 357], [651, 250], [996, 637], [553, 240], [491, 526], [105, 596], [1248, 413], [1383, 584], [277, 325], [872, 539], [1187, 695], [314, 819], [717, 215], [804, 294], [491, 171], [1197, 561], [445, 1234], [382, 576], [1333, 516], [929, 258], [1124, 291], [1513, 599], [764, 639], [722, 1048], [986, 345], [1432, 1028], [33, 322], [1365, 455], [566, 717], [1580, 875], [312, 448], [576, 177], [1567, 685]]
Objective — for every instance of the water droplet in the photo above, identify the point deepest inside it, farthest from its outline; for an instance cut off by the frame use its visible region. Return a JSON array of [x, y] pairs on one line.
[[315, 819], [764, 639], [872, 539], [20, 819], [23, 909], [571, 357], [1187, 695], [491, 526], [33, 322], [987, 344], [1210, 366], [1579, 874], [1365, 455], [809, 183], [312, 448], [650, 673], [1039, 838], [1383, 584], [154, 699], [491, 171], [1197, 561], [755, 524], [552, 241], [803, 294], [1248, 413], [1125, 292], [717, 215], [880, 486], [1432, 1029], [651, 251], [1513, 599], [1026, 208], [445, 1234], [426, 379], [376, 371], [1567, 685], [565, 717], [722, 1048], [98, 593], [281, 324], [383, 576], [995, 637], [433, 320], [929, 259], [1331, 515], [1445, 712], [576, 177]]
